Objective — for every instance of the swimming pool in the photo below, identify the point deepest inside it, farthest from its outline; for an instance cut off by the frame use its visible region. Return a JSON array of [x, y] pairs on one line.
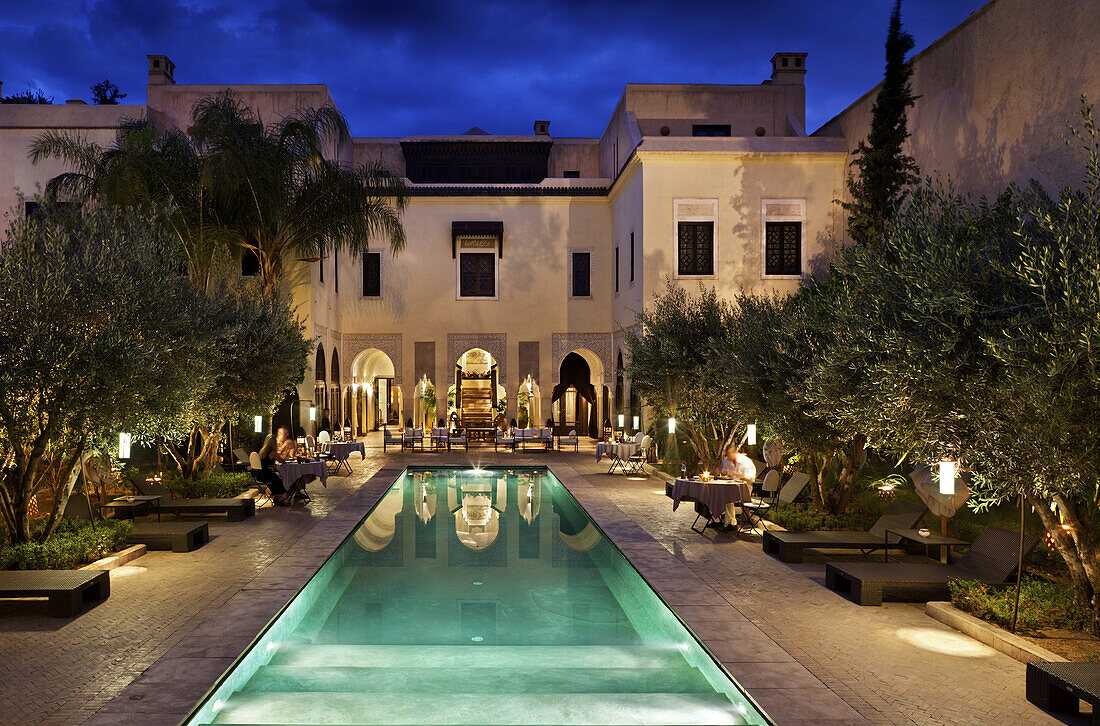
[[476, 596]]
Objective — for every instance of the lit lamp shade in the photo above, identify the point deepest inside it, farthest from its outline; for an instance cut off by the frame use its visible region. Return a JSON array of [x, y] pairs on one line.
[[750, 434], [947, 477], [671, 425], [124, 446], [312, 413], [622, 420], [635, 423], [259, 424]]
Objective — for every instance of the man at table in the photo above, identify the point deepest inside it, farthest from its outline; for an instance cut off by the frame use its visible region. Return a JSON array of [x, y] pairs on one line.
[[737, 465], [267, 474]]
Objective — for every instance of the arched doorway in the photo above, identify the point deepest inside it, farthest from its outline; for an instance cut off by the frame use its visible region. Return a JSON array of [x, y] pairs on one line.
[[319, 386], [376, 400], [334, 404], [477, 392], [528, 408], [574, 399]]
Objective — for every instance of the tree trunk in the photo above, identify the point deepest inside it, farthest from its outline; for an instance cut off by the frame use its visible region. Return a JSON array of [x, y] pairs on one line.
[[204, 461], [65, 489], [1079, 549]]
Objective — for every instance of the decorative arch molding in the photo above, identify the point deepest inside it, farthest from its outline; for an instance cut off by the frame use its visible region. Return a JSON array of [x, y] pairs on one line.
[[599, 343], [495, 344], [354, 344]]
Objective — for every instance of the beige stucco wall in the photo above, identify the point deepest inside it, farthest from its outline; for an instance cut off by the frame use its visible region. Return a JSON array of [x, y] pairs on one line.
[[739, 181], [996, 95], [420, 301], [20, 124]]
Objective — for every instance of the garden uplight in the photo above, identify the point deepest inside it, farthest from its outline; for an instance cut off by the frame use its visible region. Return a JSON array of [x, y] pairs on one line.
[[124, 446], [750, 434], [947, 477]]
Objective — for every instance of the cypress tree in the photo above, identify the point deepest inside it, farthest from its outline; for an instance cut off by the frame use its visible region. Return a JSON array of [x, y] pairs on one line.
[[882, 170]]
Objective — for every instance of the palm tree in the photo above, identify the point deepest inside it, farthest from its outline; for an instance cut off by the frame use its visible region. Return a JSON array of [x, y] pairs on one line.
[[279, 192], [282, 193]]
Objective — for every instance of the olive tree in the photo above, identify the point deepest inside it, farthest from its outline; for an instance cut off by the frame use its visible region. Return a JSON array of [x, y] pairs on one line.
[[762, 358], [669, 352], [101, 332], [972, 334]]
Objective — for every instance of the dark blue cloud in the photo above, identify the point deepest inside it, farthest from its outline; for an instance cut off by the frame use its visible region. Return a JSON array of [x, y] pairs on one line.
[[428, 66]]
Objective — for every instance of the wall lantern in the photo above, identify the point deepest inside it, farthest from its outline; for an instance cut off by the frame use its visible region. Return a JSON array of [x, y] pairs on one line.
[[259, 424], [636, 423], [947, 478], [671, 425], [124, 446], [622, 420], [312, 413], [750, 434]]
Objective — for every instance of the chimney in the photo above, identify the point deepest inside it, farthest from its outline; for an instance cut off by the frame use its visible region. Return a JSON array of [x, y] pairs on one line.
[[789, 69], [76, 102], [161, 71], [542, 128]]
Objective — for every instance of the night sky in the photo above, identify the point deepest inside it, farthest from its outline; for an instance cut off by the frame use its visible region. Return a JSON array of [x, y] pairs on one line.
[[421, 67]]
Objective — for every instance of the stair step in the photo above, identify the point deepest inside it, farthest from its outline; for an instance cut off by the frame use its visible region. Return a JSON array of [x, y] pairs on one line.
[[496, 680], [499, 657], [460, 709]]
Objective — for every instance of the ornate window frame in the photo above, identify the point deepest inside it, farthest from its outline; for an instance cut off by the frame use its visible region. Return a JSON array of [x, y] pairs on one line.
[[765, 217], [704, 210]]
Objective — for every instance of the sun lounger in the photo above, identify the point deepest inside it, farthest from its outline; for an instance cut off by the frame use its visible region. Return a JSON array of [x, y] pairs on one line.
[[67, 590], [1060, 687], [234, 510], [990, 560], [788, 546], [176, 536]]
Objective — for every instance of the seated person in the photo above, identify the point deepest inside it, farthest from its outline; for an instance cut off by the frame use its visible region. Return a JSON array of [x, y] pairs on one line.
[[737, 465], [286, 448], [267, 474]]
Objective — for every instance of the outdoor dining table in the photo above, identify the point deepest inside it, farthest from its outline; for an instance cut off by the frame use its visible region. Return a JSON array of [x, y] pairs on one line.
[[619, 453], [341, 450], [291, 471], [720, 497]]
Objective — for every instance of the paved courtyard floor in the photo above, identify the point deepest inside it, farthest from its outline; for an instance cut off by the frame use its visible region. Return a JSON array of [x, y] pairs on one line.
[[175, 622]]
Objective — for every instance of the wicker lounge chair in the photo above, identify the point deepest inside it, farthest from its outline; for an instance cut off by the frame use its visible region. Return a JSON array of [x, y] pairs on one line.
[[1060, 687], [67, 590], [788, 546], [175, 536], [990, 560]]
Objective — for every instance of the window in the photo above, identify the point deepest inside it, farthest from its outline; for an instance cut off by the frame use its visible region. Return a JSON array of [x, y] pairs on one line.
[[581, 274], [695, 248], [250, 263], [477, 274], [372, 274], [571, 175], [710, 129], [616, 269], [782, 248], [783, 222], [632, 257]]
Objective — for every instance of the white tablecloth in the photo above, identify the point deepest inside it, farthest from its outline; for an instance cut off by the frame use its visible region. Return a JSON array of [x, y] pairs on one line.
[[292, 471], [341, 450], [620, 451]]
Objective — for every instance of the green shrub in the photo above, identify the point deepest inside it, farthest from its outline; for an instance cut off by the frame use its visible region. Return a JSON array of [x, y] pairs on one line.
[[803, 516], [215, 486], [1043, 604], [71, 545]]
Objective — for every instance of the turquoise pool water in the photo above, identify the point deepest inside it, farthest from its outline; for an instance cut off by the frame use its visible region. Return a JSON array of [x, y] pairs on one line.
[[476, 597]]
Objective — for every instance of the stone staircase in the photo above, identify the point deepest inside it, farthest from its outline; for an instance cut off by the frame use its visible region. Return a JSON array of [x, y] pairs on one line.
[[477, 406], [488, 685]]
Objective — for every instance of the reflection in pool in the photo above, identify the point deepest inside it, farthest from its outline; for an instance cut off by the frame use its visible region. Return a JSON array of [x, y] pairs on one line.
[[476, 597]]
